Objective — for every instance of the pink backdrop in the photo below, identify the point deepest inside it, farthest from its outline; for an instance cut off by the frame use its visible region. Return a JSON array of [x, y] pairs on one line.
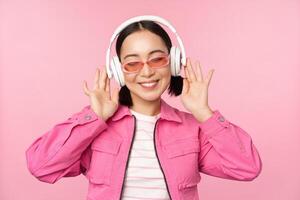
[[48, 48]]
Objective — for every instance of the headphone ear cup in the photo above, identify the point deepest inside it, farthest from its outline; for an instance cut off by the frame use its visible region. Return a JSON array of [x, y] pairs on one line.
[[117, 71], [175, 61], [172, 60], [178, 61]]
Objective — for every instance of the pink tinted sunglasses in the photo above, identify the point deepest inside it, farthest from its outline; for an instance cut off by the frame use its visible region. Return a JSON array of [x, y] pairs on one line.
[[156, 62]]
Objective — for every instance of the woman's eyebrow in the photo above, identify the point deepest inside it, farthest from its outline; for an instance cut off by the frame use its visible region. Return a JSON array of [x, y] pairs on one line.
[[151, 52]]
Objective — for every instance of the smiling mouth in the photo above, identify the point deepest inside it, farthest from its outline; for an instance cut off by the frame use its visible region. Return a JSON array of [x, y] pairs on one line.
[[149, 81], [151, 84]]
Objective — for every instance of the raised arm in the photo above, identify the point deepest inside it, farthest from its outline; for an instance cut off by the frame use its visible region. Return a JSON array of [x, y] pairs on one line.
[[62, 151], [227, 151]]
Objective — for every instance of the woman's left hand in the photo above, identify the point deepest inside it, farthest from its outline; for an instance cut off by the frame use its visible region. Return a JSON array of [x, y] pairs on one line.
[[194, 94]]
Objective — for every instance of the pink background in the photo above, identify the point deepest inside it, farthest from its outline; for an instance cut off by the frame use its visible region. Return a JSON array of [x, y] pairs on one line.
[[48, 48]]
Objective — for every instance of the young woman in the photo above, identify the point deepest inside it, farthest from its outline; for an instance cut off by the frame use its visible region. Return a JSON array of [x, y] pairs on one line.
[[132, 144]]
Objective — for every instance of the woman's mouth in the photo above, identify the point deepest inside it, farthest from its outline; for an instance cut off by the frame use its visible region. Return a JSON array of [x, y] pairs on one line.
[[149, 85]]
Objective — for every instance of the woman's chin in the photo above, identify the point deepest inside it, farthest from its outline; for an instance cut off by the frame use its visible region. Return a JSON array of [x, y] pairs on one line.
[[150, 97]]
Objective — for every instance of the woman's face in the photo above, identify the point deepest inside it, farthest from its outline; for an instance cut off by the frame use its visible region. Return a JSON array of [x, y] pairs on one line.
[[145, 45]]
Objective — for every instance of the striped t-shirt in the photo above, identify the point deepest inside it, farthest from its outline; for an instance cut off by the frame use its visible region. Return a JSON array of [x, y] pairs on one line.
[[144, 179]]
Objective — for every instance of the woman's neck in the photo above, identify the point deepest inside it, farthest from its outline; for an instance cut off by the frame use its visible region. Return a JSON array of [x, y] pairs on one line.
[[146, 107]]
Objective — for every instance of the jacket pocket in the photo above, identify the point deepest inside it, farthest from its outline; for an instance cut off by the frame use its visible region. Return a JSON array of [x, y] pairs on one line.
[[104, 153], [189, 183], [182, 147], [188, 188], [183, 156]]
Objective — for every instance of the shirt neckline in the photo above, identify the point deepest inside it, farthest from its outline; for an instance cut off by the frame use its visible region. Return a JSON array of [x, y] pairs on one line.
[[145, 117]]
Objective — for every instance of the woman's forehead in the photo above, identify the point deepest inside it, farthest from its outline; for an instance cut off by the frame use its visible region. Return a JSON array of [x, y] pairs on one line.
[[142, 43], [155, 51]]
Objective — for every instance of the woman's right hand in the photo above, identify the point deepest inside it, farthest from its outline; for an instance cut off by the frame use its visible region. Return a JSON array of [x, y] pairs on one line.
[[100, 99]]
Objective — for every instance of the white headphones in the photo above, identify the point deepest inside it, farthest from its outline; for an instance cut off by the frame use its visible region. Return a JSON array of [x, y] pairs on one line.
[[177, 57]]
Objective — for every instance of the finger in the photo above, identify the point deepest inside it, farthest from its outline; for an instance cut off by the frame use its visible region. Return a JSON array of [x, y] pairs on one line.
[[96, 79], [115, 96], [191, 71], [199, 71], [209, 76], [185, 86], [107, 86], [102, 82], [186, 73], [85, 88], [107, 80]]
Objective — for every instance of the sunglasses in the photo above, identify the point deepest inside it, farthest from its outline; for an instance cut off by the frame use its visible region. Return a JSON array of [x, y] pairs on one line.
[[155, 63]]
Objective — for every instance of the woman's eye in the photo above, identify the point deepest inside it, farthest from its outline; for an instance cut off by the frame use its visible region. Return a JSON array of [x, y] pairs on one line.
[[132, 63], [157, 59]]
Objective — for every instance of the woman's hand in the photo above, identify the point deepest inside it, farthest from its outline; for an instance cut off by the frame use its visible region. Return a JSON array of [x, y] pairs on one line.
[[100, 99], [194, 94]]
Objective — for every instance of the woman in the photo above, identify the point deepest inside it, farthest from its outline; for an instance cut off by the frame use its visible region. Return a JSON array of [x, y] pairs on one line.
[[132, 144]]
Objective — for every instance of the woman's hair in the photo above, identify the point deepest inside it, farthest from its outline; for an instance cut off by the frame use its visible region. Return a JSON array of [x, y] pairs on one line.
[[175, 87]]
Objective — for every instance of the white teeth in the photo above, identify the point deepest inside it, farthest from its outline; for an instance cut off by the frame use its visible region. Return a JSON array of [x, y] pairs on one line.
[[149, 84]]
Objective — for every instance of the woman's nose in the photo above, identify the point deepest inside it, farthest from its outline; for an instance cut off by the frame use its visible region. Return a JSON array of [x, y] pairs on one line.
[[146, 70]]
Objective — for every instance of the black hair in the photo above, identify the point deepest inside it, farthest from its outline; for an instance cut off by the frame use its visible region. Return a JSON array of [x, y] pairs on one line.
[[175, 87]]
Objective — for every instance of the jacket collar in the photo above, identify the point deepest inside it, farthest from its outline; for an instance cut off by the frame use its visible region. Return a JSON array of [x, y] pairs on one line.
[[167, 112]]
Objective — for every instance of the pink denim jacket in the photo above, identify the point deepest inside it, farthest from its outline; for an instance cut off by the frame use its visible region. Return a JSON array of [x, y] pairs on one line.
[[98, 149]]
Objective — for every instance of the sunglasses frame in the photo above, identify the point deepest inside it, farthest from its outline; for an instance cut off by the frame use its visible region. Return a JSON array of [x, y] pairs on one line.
[[134, 72]]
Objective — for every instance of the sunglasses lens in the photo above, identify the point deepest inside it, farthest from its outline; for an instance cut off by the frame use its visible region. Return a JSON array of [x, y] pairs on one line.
[[160, 61], [157, 62], [133, 66]]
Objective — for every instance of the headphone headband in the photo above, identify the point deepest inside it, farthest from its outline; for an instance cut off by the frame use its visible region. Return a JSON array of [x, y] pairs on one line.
[[137, 19]]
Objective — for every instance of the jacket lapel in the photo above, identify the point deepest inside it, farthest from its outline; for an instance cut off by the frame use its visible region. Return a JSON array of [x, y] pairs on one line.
[[167, 112]]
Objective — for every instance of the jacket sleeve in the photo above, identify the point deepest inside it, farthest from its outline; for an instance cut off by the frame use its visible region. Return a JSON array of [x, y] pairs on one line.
[[227, 151], [62, 151]]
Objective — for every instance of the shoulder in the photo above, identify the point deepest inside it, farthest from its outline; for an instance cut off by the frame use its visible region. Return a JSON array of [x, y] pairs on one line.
[[186, 117]]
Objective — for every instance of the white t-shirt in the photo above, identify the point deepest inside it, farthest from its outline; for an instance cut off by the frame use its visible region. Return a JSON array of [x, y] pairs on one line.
[[144, 178]]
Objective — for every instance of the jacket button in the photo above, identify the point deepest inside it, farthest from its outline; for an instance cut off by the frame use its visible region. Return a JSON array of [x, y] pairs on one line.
[[221, 119], [87, 117]]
